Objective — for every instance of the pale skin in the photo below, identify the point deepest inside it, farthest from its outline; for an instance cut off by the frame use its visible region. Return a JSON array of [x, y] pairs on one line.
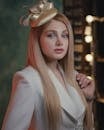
[[54, 44], [87, 85]]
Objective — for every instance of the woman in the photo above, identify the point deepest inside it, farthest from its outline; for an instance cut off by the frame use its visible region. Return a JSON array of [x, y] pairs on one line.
[[45, 94]]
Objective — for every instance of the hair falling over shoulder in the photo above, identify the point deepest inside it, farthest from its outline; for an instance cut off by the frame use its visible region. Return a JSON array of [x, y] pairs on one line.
[[36, 60]]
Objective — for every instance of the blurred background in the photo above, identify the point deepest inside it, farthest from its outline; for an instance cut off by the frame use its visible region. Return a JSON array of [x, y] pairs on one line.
[[87, 19]]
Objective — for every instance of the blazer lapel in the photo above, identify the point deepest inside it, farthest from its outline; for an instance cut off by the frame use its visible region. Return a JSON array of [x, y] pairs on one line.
[[65, 99]]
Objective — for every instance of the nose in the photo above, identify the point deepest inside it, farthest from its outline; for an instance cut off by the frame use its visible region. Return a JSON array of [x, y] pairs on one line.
[[59, 41]]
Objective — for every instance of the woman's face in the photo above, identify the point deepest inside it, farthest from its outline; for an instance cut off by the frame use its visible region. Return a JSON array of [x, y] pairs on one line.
[[54, 40]]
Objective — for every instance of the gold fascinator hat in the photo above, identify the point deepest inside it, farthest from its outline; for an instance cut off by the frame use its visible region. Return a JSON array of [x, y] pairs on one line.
[[39, 14]]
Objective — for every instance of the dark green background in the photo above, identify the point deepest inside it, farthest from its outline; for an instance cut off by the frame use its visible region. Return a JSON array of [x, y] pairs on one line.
[[13, 43]]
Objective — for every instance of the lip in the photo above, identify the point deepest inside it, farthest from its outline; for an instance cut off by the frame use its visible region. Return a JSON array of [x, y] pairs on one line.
[[59, 50]]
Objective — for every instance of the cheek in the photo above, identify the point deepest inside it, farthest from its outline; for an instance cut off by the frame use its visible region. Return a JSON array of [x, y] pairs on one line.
[[45, 46], [66, 45], [66, 48]]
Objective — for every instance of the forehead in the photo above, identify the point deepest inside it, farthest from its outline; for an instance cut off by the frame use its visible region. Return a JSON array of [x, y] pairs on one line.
[[55, 24]]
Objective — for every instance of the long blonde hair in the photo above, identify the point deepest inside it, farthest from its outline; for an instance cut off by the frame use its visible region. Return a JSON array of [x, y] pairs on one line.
[[36, 60]]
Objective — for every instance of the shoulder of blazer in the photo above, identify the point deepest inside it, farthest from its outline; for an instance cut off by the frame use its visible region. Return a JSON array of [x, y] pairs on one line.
[[30, 74]]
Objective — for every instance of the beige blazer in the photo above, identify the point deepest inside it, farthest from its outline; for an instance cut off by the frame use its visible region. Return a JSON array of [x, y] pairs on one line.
[[26, 104]]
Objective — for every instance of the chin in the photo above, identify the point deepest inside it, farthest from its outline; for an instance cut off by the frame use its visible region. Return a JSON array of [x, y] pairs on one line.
[[60, 57]]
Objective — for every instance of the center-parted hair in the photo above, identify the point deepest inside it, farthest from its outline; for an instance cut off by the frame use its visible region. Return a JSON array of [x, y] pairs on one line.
[[36, 59]]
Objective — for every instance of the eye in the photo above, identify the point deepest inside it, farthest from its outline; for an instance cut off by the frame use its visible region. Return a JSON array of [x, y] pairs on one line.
[[65, 35], [51, 35]]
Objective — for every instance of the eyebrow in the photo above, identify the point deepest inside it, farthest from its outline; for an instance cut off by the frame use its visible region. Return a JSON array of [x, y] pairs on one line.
[[54, 31]]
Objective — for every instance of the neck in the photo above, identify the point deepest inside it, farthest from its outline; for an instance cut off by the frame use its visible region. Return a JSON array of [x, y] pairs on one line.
[[53, 65]]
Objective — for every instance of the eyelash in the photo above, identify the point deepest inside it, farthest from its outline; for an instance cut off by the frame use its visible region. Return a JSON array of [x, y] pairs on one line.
[[65, 35], [52, 35]]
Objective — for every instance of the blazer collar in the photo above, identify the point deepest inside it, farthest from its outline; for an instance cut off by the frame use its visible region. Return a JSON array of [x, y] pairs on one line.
[[66, 98]]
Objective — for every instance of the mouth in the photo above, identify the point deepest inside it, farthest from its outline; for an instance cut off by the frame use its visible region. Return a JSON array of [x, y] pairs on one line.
[[58, 51]]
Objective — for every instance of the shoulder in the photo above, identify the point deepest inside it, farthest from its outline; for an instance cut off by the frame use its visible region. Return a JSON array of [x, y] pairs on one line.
[[28, 71], [29, 74]]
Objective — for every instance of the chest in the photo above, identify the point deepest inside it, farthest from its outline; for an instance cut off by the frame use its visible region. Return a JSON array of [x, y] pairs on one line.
[[72, 108]]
